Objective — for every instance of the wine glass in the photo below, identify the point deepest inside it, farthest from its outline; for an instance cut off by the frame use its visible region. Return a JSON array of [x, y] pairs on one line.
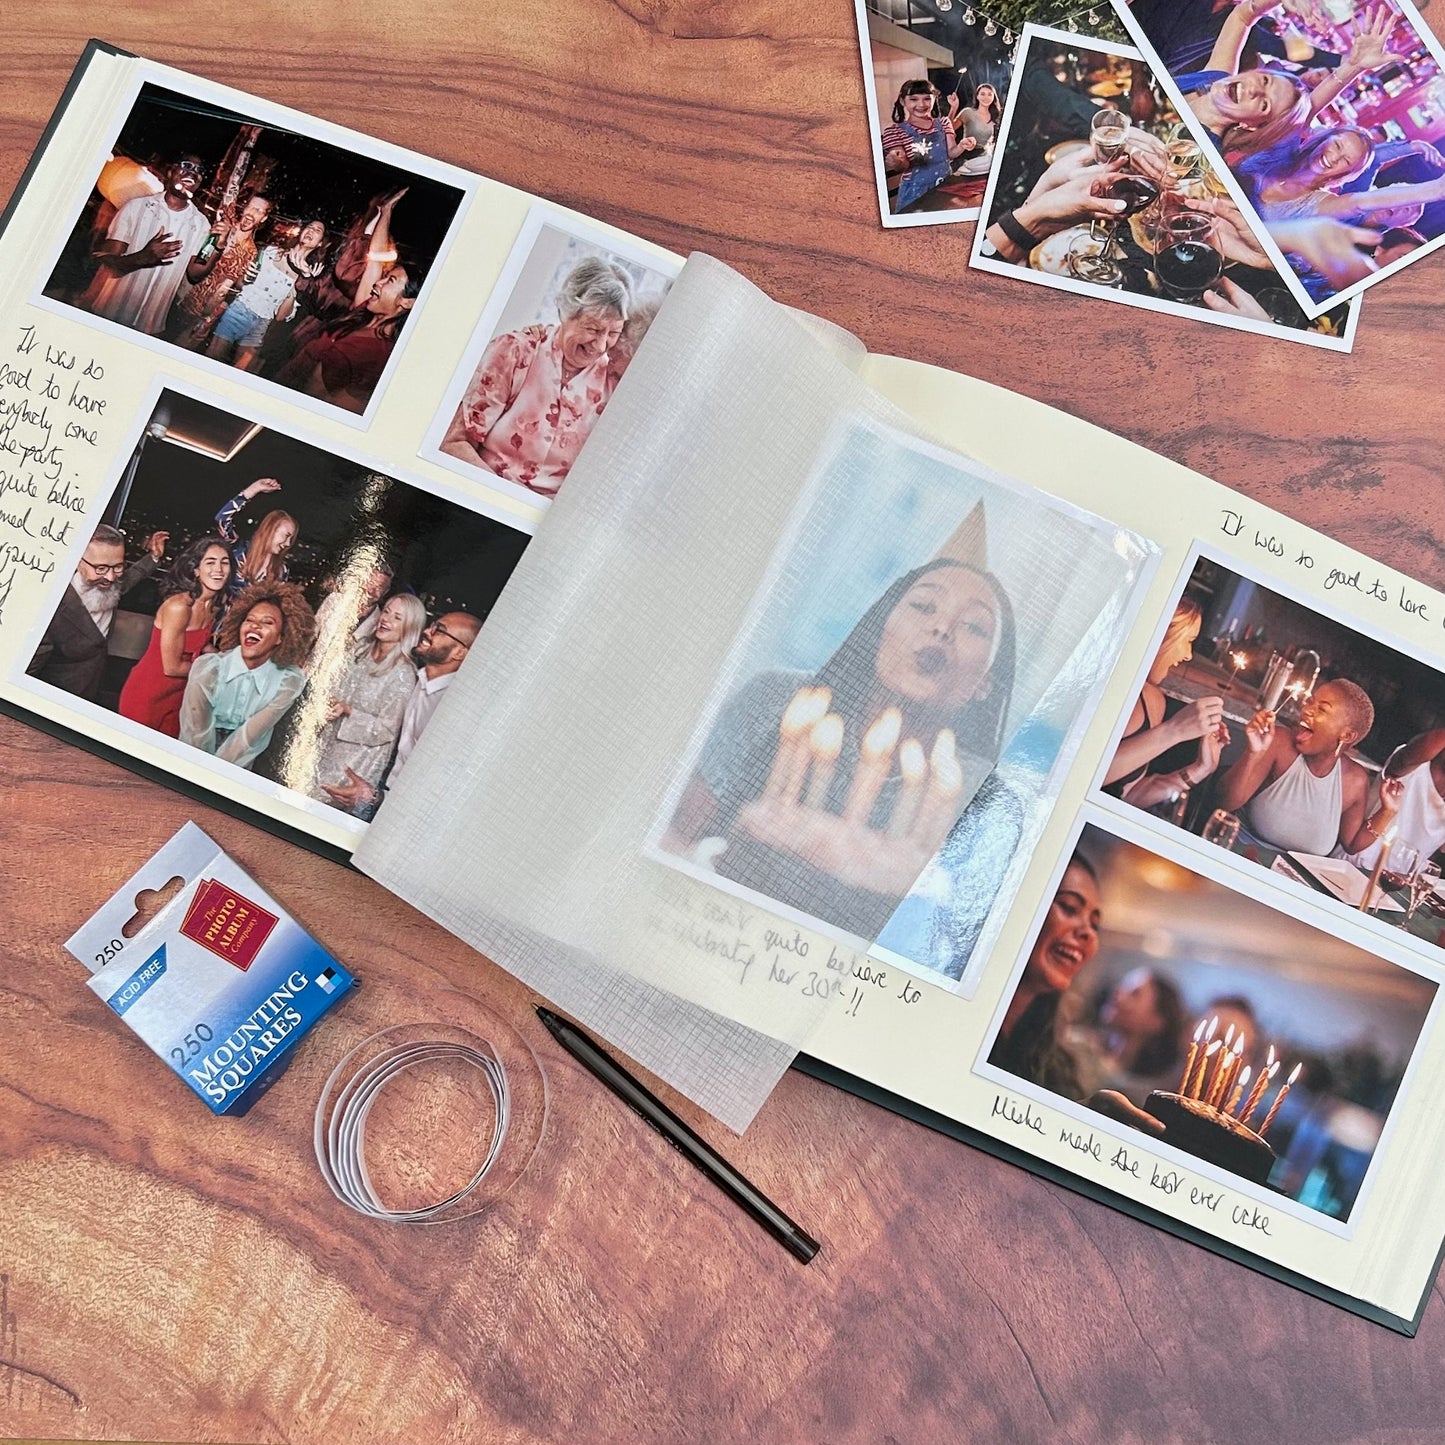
[[1187, 258], [1109, 133], [1222, 829], [1422, 883], [1401, 866]]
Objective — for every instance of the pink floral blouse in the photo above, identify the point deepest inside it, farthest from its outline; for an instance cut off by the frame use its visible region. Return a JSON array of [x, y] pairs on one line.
[[527, 426]]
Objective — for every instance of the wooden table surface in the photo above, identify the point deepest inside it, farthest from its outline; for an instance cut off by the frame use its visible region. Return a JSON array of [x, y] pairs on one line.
[[165, 1278]]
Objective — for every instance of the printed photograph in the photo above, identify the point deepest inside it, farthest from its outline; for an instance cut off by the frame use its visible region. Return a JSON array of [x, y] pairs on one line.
[[1296, 743], [292, 614], [1190, 1012], [1328, 118], [263, 249], [860, 721], [1123, 203], [936, 76], [567, 315]]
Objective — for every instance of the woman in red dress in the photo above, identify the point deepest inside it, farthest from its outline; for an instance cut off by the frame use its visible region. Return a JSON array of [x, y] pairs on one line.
[[195, 589]]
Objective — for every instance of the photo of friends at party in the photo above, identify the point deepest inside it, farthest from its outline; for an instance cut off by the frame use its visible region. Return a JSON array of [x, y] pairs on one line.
[[567, 317], [938, 75], [1212, 1023], [263, 249], [1329, 116], [1296, 743], [273, 606], [1111, 196], [861, 730]]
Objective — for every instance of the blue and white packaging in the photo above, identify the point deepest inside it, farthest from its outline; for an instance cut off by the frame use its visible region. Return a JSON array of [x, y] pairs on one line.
[[222, 983]]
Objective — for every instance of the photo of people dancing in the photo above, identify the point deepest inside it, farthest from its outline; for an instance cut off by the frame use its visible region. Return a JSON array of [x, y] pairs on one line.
[[1297, 743], [1141, 966], [273, 252], [1324, 116], [308, 646]]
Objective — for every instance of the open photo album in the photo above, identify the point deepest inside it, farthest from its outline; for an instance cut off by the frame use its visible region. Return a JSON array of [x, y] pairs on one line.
[[743, 692]]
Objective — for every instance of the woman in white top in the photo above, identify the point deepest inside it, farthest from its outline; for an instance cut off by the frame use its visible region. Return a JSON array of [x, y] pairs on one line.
[[1296, 790], [270, 295], [1410, 796], [364, 715]]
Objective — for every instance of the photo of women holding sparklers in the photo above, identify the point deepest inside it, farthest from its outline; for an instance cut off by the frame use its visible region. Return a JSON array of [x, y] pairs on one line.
[[832, 790]]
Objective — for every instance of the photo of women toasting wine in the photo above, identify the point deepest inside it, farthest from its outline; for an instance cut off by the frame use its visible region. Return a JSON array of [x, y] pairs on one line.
[[1297, 744], [1108, 195], [863, 719]]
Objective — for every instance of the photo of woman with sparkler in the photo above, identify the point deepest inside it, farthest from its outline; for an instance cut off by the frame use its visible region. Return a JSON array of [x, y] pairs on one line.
[[832, 790]]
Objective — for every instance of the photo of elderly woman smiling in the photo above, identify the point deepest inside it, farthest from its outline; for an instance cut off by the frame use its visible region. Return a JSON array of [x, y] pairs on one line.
[[546, 358]]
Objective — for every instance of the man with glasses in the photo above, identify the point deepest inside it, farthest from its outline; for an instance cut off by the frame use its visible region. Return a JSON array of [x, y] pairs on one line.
[[148, 249], [441, 651], [72, 653]]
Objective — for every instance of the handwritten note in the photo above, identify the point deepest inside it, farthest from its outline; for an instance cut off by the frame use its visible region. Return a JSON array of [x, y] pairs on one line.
[[52, 430], [1114, 1162], [760, 950], [1359, 581]]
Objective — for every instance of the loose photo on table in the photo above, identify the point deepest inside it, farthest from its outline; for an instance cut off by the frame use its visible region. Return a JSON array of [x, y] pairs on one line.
[[1113, 198], [286, 613], [1257, 1048], [858, 725], [1297, 743], [936, 78], [567, 315], [1327, 118], [267, 250]]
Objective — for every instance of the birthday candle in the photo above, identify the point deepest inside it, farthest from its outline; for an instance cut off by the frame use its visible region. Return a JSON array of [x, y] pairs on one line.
[[1199, 1091], [1224, 1072], [913, 764], [1193, 1087], [1294, 1074], [875, 758], [825, 742], [1257, 1093], [790, 762], [945, 782], [1193, 1054], [1268, 1072], [1238, 1093]]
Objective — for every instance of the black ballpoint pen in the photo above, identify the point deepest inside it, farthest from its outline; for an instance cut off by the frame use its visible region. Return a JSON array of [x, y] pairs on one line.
[[684, 1139]]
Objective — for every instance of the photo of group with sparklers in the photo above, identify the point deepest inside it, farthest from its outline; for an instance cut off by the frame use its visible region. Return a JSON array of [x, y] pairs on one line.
[[1328, 118], [280, 612], [1159, 999], [264, 249], [859, 734], [1297, 744]]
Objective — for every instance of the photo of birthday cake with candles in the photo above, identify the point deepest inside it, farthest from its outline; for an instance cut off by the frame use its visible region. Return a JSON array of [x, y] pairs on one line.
[[1209, 1115]]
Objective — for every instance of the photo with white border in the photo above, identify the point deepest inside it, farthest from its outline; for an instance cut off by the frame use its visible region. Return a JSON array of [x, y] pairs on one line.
[[276, 249], [566, 316], [1365, 85], [1032, 160], [1156, 975]]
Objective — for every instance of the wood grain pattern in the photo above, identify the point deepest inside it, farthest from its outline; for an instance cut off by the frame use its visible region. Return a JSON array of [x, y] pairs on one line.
[[166, 1277]]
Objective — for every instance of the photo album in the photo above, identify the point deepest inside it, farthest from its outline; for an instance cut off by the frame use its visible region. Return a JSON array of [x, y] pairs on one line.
[[752, 697]]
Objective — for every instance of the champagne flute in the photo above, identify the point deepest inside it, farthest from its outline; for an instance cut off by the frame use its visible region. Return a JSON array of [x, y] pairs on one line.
[[1402, 866], [1187, 258]]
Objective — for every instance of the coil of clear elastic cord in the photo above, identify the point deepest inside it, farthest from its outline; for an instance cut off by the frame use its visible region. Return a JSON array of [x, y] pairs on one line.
[[426, 1123]]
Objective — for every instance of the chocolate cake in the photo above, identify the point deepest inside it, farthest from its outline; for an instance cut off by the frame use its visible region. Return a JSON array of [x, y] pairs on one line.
[[1195, 1127]]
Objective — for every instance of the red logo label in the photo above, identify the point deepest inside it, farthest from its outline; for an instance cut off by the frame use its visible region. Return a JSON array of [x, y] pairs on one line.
[[230, 926]]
